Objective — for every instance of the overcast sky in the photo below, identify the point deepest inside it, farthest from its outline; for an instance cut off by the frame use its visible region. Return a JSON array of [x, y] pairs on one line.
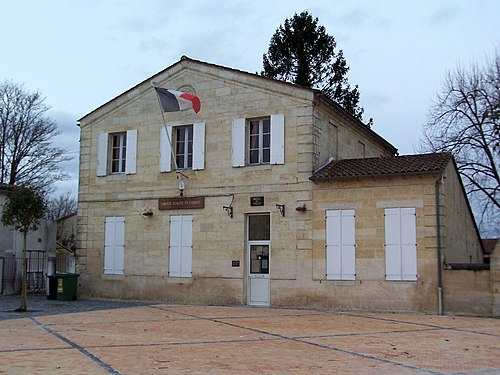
[[81, 54]]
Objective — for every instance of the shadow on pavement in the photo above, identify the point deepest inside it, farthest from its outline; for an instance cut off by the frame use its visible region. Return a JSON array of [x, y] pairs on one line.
[[39, 305]]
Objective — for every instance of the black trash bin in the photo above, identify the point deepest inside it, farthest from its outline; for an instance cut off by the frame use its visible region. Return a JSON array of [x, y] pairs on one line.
[[52, 287], [67, 284]]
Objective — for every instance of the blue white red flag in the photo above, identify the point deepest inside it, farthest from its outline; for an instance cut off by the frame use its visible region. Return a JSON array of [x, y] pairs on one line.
[[174, 101]]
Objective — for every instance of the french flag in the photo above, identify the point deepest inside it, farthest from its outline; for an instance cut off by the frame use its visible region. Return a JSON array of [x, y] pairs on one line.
[[174, 101]]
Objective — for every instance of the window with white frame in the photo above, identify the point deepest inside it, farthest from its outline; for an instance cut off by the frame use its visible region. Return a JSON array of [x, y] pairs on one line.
[[114, 245], [258, 141], [183, 140], [185, 143], [340, 245], [117, 153], [400, 244], [181, 246]]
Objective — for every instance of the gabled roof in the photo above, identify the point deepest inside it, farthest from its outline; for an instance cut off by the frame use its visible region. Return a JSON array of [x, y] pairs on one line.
[[197, 64], [382, 166]]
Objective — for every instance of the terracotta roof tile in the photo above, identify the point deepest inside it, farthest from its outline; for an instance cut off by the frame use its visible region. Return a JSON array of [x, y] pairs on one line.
[[382, 166]]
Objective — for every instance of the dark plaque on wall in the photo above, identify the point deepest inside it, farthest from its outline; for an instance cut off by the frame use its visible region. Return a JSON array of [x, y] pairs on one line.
[[256, 201], [181, 203], [235, 263]]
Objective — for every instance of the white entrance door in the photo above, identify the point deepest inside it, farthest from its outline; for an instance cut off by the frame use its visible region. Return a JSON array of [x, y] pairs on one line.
[[258, 260]]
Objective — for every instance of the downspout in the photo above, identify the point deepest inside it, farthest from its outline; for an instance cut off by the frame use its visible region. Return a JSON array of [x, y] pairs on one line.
[[438, 240]]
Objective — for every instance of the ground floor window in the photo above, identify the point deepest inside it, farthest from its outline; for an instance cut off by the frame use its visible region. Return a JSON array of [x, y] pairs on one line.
[[340, 245], [114, 245], [181, 246], [400, 244]]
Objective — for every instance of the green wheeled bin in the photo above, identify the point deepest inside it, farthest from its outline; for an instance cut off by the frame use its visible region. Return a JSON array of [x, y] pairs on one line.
[[67, 284]]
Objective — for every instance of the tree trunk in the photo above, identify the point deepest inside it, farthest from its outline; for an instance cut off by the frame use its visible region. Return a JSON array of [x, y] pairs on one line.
[[24, 294]]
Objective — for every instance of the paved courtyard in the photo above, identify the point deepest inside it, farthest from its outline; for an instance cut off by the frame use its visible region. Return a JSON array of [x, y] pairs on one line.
[[106, 337]]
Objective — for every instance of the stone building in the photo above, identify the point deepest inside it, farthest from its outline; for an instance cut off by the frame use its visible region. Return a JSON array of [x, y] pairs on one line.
[[40, 250], [280, 198]]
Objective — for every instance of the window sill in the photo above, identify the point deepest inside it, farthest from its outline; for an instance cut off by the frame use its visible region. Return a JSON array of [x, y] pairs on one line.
[[256, 167], [341, 282], [110, 276], [179, 280]]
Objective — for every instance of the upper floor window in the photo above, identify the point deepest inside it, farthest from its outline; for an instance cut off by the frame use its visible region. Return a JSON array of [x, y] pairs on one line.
[[184, 147], [258, 141], [117, 153], [186, 143]]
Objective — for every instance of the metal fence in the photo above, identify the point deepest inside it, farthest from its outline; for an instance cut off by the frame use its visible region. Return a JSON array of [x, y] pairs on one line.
[[37, 265]]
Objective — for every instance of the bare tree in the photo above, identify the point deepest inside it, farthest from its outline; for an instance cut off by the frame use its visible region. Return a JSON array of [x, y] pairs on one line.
[[465, 121], [27, 154], [61, 206]]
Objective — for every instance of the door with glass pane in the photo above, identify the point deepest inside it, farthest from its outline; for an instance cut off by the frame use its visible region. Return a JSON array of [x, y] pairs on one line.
[[258, 260]]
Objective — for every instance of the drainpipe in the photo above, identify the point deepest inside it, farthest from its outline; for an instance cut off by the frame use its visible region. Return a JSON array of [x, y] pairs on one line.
[[438, 240]]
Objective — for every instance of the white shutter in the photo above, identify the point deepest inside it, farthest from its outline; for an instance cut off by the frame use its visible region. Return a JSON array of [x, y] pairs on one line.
[[114, 245], [392, 244], [238, 145], [199, 146], [400, 244], [340, 245], [131, 153], [165, 149], [333, 262], [180, 254], [187, 245], [174, 267], [348, 246], [109, 245], [277, 139], [408, 244], [102, 154]]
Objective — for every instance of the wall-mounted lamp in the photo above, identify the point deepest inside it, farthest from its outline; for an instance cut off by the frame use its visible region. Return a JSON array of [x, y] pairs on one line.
[[229, 210], [301, 208], [281, 208], [147, 212]]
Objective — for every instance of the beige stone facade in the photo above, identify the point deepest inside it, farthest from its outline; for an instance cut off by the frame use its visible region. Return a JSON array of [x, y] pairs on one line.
[[316, 131]]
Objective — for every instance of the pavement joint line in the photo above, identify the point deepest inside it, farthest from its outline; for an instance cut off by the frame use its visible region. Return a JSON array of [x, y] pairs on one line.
[[434, 326], [178, 343], [367, 333], [474, 372], [32, 350], [412, 367], [475, 332], [79, 348]]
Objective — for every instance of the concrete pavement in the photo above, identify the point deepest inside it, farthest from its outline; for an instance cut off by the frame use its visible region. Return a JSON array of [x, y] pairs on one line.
[[107, 337]]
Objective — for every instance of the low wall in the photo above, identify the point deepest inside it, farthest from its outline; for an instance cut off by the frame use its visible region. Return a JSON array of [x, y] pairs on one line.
[[495, 280], [467, 292]]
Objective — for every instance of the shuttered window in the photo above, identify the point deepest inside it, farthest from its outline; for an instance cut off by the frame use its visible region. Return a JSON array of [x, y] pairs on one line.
[[400, 244], [187, 143], [340, 245], [117, 153], [114, 245], [181, 246], [258, 141]]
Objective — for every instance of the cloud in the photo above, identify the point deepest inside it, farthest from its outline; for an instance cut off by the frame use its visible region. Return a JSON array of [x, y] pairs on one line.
[[444, 14], [375, 99]]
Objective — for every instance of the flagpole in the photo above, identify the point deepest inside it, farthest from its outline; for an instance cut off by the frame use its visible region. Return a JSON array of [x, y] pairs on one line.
[[177, 173]]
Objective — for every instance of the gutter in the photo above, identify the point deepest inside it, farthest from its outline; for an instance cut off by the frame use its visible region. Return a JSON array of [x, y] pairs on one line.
[[438, 243]]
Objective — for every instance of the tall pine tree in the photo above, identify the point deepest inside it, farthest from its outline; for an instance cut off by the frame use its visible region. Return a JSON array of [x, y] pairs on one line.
[[301, 52]]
